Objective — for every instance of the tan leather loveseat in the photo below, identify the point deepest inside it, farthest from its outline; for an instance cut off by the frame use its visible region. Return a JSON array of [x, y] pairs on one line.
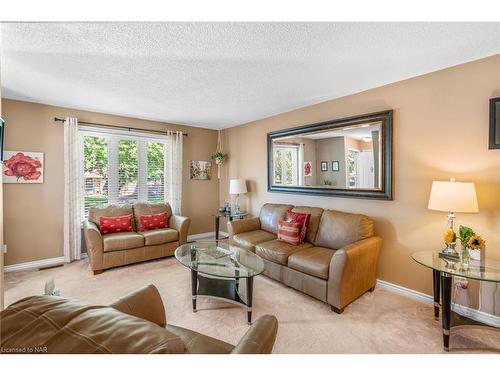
[[135, 324], [336, 264], [117, 249]]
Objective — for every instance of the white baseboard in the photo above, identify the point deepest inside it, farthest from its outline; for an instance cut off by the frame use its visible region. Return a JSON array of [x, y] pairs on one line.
[[468, 312], [206, 235], [42, 263]]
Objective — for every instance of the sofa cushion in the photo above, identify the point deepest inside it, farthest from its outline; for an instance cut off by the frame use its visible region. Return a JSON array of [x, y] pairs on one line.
[[66, 326], [312, 227], [159, 236], [196, 343], [155, 221], [146, 208], [277, 251], [289, 232], [248, 240], [115, 224], [338, 229], [314, 261], [271, 214], [96, 212], [122, 241]]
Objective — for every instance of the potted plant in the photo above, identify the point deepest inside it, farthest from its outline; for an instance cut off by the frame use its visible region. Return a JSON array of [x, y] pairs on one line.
[[471, 243], [218, 157]]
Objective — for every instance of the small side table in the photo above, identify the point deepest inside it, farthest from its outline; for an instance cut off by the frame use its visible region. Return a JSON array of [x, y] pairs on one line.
[[230, 216], [442, 271]]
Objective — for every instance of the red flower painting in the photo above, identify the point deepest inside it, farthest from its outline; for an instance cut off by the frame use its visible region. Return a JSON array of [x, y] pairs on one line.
[[23, 167], [307, 169]]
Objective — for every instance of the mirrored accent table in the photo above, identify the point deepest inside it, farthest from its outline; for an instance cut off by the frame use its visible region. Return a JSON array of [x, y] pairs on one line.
[[443, 270], [218, 270]]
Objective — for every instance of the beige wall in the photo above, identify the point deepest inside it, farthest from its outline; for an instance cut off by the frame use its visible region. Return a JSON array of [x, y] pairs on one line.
[[331, 149], [34, 212], [440, 131]]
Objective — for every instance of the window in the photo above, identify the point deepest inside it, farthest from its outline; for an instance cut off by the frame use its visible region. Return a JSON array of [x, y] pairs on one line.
[[352, 167], [121, 168], [286, 160]]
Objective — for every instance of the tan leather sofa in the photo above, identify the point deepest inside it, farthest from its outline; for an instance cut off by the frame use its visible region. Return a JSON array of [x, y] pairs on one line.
[[117, 249], [336, 264], [135, 324]]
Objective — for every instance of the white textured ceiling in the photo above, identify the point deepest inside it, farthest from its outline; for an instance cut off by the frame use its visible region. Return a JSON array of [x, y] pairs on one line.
[[218, 75]]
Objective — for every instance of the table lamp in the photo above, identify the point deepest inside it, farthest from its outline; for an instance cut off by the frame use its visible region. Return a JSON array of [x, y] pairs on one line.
[[237, 186], [451, 196]]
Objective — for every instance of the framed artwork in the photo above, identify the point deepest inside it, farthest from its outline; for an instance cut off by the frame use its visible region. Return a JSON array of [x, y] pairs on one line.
[[335, 166], [307, 169], [494, 123], [324, 166], [22, 167], [200, 170]]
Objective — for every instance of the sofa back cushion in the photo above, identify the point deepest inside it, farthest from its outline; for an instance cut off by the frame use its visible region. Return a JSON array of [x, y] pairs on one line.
[[312, 227], [338, 229], [146, 208], [66, 326], [108, 210], [271, 214]]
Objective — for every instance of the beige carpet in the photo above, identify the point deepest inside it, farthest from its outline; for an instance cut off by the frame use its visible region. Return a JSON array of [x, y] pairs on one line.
[[378, 322]]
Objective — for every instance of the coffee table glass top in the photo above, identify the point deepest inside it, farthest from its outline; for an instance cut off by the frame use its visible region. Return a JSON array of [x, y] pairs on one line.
[[486, 270], [221, 260]]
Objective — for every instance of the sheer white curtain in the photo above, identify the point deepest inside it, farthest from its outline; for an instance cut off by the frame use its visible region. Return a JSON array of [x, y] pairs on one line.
[[72, 183], [173, 170]]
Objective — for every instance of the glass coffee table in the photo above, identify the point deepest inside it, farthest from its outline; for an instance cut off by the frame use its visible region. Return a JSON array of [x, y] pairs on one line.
[[488, 269], [218, 270]]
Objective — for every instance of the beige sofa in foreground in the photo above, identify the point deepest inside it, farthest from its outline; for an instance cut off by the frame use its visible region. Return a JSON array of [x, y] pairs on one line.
[[117, 249], [336, 264], [135, 324]]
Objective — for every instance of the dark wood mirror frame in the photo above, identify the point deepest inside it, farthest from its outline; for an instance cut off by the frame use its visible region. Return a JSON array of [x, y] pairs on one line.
[[386, 191], [494, 121]]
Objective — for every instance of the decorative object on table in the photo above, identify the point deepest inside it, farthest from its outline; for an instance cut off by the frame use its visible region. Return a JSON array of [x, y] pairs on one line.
[[324, 166], [50, 288], [472, 245], [327, 182], [237, 186], [335, 166], [451, 196], [200, 170], [23, 167], [494, 142], [307, 169], [218, 156]]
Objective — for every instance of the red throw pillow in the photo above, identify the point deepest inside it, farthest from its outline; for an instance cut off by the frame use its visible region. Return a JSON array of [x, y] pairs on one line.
[[156, 221], [114, 224], [289, 232], [302, 219]]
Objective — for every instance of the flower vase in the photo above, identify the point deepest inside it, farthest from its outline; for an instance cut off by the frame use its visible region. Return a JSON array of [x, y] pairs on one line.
[[464, 258]]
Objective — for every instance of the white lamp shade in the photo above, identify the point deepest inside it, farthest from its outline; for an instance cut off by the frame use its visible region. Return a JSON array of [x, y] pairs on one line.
[[237, 186], [451, 196]]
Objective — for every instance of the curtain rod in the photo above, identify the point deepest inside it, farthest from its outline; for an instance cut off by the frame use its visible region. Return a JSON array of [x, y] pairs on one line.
[[118, 127]]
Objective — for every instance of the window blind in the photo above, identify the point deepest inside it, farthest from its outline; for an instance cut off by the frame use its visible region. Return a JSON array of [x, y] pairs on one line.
[[121, 168]]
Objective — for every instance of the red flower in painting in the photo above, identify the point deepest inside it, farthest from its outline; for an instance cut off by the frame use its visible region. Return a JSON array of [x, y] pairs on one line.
[[24, 166], [307, 169]]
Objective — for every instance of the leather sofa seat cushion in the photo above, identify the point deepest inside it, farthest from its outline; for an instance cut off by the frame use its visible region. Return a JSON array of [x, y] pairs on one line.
[[66, 326], [314, 261], [145, 208], [122, 241], [248, 240], [160, 236], [109, 210], [278, 252], [271, 214], [196, 343], [338, 229], [312, 228]]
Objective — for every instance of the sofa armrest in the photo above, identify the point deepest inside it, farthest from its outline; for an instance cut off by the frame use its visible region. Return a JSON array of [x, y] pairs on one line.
[[94, 244], [180, 224], [353, 271], [259, 339], [144, 303], [243, 225]]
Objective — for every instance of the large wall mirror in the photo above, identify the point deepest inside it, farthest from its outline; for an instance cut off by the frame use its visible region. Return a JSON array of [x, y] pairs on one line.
[[350, 157]]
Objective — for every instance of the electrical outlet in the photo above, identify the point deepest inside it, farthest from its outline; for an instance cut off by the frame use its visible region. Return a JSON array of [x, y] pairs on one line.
[[4, 249]]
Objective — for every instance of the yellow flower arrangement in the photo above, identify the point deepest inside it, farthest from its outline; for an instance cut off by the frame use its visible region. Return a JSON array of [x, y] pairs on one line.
[[475, 242], [449, 236]]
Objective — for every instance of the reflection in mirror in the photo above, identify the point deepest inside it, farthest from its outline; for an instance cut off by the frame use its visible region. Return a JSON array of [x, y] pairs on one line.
[[346, 157]]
